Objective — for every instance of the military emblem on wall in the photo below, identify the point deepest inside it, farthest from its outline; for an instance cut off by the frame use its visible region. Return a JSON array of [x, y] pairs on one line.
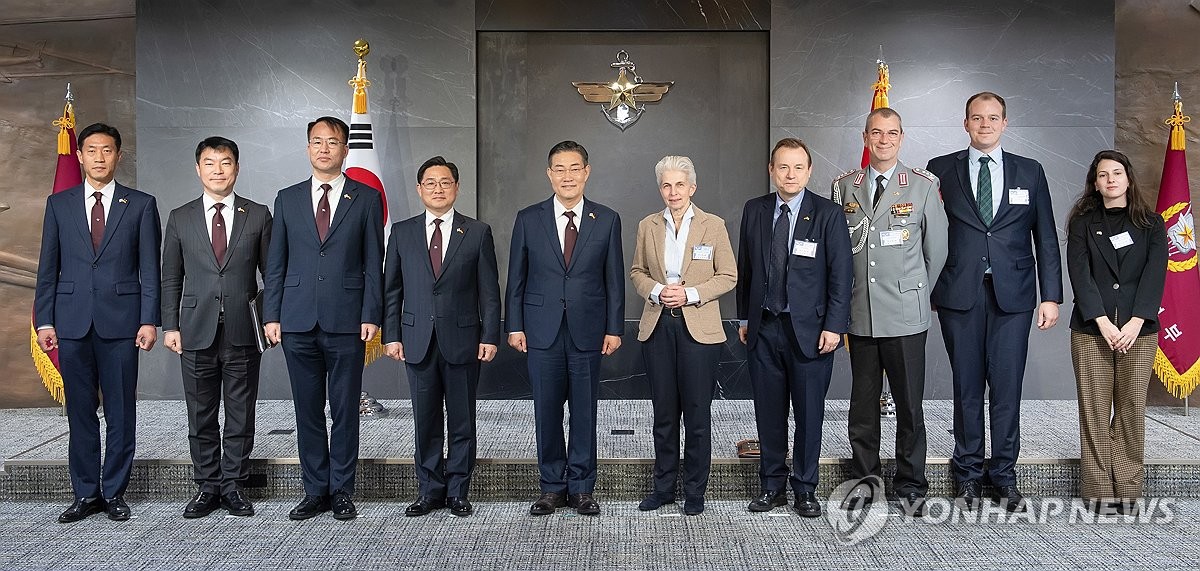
[[623, 100]]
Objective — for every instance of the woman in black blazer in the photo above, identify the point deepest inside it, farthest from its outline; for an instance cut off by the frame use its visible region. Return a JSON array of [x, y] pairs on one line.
[[1117, 259]]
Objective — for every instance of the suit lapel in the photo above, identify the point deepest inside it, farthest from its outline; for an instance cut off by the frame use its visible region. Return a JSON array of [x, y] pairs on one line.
[[549, 225], [350, 192], [304, 193], [1100, 237], [458, 233], [804, 223], [80, 216], [197, 220], [658, 236], [695, 235], [239, 224], [586, 223], [1010, 171], [766, 227], [120, 203], [861, 194]]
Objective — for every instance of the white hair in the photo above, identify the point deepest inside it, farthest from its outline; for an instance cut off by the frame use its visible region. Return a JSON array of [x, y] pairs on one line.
[[676, 163]]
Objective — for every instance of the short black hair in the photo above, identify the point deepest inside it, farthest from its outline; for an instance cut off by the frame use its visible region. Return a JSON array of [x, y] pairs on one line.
[[334, 122], [437, 161], [99, 129], [217, 144], [566, 147]]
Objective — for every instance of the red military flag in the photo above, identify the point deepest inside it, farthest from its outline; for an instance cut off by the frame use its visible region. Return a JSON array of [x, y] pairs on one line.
[[66, 175], [1177, 362], [362, 161], [879, 99]]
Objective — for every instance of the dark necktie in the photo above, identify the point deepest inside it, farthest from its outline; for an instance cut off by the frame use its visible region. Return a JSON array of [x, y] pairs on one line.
[[985, 190], [878, 191], [219, 241], [569, 236], [435, 248], [323, 212], [776, 299], [97, 221]]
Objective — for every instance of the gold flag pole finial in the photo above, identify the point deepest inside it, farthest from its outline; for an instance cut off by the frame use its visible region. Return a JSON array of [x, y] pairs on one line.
[[883, 84], [67, 121], [1176, 121], [360, 82]]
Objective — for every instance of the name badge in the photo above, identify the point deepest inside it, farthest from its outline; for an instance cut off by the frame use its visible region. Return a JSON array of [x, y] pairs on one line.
[[804, 248], [1121, 240], [1018, 195], [702, 252], [891, 238]]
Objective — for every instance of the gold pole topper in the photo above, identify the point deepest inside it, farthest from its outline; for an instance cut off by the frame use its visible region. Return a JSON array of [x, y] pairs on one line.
[[360, 82]]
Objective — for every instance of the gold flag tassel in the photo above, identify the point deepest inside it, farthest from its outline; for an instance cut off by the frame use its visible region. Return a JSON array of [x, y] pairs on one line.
[[1176, 121], [360, 82], [65, 123], [882, 85]]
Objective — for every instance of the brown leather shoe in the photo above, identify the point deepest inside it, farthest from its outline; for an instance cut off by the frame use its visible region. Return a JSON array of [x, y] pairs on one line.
[[546, 504], [584, 504]]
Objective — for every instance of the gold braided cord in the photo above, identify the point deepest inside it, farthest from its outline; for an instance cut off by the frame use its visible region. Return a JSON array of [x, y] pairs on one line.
[[1176, 121], [64, 124], [882, 86]]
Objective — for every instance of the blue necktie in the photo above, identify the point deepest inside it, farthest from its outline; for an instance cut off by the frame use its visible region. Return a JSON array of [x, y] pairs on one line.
[[985, 190], [776, 299]]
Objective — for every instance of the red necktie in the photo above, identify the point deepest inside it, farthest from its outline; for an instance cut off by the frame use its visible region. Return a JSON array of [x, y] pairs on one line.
[[219, 241], [323, 212], [97, 221], [435, 248], [569, 236]]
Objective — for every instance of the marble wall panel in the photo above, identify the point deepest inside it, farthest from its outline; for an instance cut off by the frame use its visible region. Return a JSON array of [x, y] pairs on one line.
[[617, 15]]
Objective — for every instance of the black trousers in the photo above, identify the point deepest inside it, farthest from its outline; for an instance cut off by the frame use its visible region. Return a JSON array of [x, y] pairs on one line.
[[434, 382], [682, 375], [221, 372], [903, 358]]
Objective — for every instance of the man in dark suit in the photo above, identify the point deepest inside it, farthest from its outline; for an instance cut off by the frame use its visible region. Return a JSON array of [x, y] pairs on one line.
[[441, 317], [324, 302], [793, 300], [565, 306], [1000, 214], [97, 301], [212, 249]]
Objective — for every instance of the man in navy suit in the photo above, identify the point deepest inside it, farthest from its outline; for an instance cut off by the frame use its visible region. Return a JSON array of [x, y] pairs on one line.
[[795, 276], [442, 318], [1000, 216], [565, 306], [97, 301], [324, 301]]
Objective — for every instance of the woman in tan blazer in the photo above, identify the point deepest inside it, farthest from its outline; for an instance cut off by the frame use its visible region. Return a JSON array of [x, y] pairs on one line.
[[682, 263]]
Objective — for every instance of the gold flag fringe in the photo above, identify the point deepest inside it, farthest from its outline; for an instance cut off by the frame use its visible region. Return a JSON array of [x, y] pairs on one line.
[[51, 378], [374, 350], [1179, 385]]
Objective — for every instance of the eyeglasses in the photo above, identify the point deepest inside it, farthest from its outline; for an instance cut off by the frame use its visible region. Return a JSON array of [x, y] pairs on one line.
[[431, 184], [878, 134], [560, 172], [319, 143]]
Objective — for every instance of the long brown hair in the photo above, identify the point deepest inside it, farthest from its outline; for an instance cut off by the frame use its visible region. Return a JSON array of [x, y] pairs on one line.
[[1090, 199]]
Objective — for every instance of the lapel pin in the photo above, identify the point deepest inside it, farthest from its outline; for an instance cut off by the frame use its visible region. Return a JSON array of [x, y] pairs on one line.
[[347, 196], [1099, 233], [807, 218], [592, 215], [240, 209], [460, 231], [122, 201]]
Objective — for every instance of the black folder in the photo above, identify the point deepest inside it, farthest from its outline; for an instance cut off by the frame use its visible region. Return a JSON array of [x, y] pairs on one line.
[[256, 311]]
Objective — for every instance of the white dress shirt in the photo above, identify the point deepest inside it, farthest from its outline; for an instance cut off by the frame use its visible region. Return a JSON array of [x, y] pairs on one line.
[[107, 191], [674, 249], [227, 213], [335, 195], [996, 166], [560, 221], [447, 222]]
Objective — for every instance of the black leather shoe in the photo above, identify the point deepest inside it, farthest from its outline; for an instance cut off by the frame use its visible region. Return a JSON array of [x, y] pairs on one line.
[[81, 509], [1009, 497], [768, 501], [806, 504], [913, 504], [584, 504], [236, 503], [655, 501], [343, 508], [309, 507], [203, 504], [969, 495], [118, 510], [424, 505], [546, 504], [460, 507], [859, 499], [693, 505]]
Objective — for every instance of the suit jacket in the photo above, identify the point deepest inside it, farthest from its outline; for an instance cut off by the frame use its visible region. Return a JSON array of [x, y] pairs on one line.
[[195, 287], [115, 289], [712, 278], [818, 288], [1102, 286], [542, 288], [462, 304], [1007, 246], [337, 284], [892, 283]]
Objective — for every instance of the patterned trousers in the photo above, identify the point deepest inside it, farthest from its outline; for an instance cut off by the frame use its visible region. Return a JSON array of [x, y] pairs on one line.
[[1112, 414]]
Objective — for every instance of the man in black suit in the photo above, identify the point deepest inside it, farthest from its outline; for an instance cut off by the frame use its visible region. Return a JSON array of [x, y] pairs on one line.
[[97, 301], [1000, 216], [324, 302], [565, 306], [212, 249], [442, 318], [795, 275]]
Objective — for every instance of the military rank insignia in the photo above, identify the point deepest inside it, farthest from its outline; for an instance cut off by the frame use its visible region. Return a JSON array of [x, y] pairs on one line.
[[851, 207], [902, 209], [904, 234]]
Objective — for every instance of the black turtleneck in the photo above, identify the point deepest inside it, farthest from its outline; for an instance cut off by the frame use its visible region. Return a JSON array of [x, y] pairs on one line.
[[1116, 220]]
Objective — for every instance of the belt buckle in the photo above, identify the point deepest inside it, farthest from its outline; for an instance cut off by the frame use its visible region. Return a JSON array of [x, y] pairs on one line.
[[675, 311]]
